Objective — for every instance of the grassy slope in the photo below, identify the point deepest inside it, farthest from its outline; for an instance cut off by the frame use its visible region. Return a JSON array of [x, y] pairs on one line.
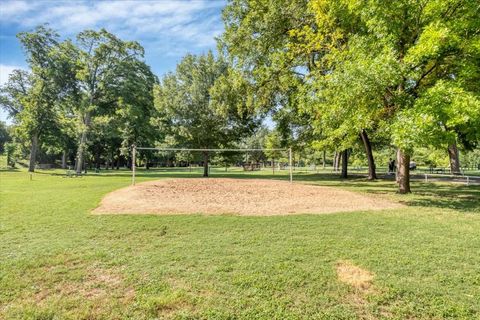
[[58, 261]]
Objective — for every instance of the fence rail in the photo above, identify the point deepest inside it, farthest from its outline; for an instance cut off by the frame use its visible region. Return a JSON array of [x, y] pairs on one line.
[[450, 177]]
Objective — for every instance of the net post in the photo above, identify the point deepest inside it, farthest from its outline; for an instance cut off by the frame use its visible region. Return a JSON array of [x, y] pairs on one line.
[[134, 152], [290, 163]]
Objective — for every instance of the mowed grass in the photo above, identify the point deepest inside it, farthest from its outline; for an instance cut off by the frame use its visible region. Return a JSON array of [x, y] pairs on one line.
[[57, 261]]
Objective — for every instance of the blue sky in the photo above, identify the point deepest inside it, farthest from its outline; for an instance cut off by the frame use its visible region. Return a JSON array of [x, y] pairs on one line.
[[166, 29]]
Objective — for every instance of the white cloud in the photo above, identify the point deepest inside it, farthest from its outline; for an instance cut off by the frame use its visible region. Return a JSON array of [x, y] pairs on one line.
[[10, 9], [185, 21], [5, 71]]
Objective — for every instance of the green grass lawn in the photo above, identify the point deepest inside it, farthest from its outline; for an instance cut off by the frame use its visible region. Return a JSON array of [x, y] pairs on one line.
[[57, 261]]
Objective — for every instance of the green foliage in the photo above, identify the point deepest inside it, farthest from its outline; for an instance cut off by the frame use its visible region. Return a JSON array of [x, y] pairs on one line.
[[71, 84], [188, 113], [14, 92], [4, 136], [472, 159], [348, 66], [113, 80], [38, 115], [257, 140], [13, 153], [431, 158], [449, 110], [274, 141], [442, 115]]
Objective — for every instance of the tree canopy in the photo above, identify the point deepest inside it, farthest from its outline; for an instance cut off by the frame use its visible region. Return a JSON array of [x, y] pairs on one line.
[[194, 118], [364, 66]]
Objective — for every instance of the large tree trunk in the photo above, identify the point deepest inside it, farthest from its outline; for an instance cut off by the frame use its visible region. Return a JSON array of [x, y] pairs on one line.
[[205, 164], [33, 152], [64, 159], [344, 155], [83, 145], [372, 174], [454, 158], [403, 172]]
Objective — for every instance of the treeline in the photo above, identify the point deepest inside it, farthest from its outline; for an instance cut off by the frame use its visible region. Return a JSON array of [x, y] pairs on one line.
[[90, 100], [92, 97], [335, 76]]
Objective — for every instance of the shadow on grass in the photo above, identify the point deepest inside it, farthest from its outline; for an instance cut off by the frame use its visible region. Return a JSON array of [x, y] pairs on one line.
[[446, 196], [4, 169]]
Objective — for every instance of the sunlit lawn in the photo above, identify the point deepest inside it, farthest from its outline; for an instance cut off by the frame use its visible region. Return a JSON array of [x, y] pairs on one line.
[[57, 261]]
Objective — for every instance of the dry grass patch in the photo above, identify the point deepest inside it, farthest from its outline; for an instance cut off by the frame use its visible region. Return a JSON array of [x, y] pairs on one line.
[[360, 280], [99, 291], [354, 276], [98, 283]]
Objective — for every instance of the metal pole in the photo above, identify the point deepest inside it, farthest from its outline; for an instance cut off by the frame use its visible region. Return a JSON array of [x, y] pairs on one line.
[[290, 163], [134, 152]]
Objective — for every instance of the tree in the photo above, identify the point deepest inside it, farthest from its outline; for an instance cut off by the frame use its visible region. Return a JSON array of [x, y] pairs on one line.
[[348, 100], [14, 92], [442, 116], [36, 110], [432, 41], [275, 45], [274, 141], [256, 141], [104, 62], [55, 105], [136, 107], [192, 114], [4, 136]]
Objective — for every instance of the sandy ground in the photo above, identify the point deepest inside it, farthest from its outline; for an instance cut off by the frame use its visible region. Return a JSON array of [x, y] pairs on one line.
[[235, 196]]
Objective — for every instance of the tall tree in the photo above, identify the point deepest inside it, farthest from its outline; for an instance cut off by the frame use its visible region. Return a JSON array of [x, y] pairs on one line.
[[4, 136], [102, 68], [38, 114], [136, 106], [274, 44], [194, 118]]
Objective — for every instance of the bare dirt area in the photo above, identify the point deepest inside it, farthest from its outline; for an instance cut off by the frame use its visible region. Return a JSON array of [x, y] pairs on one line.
[[235, 196]]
